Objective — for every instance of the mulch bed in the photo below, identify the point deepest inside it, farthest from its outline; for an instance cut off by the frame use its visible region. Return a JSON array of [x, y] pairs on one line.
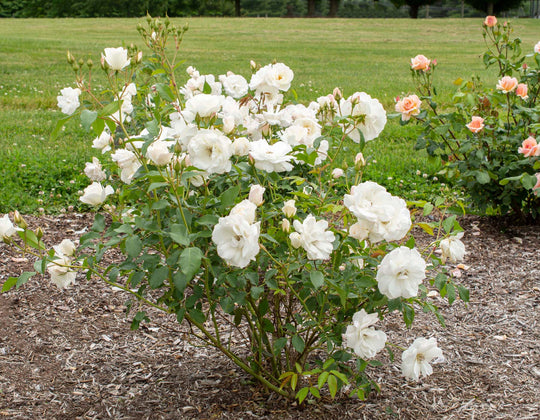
[[71, 354]]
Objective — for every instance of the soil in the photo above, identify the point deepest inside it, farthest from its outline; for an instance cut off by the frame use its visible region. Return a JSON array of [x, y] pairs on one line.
[[70, 354]]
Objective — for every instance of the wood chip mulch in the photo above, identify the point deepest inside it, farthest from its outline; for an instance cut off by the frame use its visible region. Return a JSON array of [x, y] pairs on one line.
[[71, 354]]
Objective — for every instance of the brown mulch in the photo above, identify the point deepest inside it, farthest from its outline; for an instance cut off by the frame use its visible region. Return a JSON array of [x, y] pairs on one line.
[[71, 354]]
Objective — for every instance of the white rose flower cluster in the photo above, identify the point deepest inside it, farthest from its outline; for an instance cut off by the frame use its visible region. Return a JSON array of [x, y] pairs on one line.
[[381, 216], [237, 235], [59, 269]]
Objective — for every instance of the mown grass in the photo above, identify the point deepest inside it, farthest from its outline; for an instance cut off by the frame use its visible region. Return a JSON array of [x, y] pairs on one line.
[[365, 55]]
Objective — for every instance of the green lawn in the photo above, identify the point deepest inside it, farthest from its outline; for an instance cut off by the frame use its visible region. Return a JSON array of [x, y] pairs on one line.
[[364, 55]]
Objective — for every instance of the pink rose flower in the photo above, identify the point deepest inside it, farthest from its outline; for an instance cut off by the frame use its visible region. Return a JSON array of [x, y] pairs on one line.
[[537, 48], [476, 125], [507, 84], [529, 147], [490, 21], [522, 90], [408, 106], [420, 62]]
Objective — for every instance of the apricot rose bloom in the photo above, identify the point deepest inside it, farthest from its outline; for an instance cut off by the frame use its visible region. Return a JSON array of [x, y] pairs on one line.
[[537, 186], [408, 106], [507, 84], [522, 90], [476, 125], [420, 62], [529, 147], [490, 21]]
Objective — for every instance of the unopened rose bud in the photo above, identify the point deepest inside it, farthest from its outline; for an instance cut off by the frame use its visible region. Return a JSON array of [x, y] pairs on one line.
[[289, 208], [138, 57], [19, 220], [525, 67], [286, 225], [75, 67], [104, 64], [70, 58], [89, 63], [337, 173], [359, 161], [256, 193], [296, 240], [253, 65], [39, 233], [337, 94]]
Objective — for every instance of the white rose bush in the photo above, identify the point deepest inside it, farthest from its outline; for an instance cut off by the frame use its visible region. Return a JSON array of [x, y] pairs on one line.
[[221, 196]]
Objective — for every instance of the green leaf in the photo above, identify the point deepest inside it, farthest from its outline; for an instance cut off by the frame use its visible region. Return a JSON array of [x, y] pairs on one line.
[[207, 88], [448, 223], [158, 277], [156, 185], [332, 385], [302, 394], [426, 228], [197, 316], [110, 108], [179, 234], [298, 343], [463, 293], [279, 344], [428, 208], [165, 92], [207, 220], [482, 177], [228, 198], [9, 283], [24, 277], [294, 380], [88, 118], [190, 261], [160, 205], [137, 319], [133, 246], [317, 279], [99, 223], [323, 377], [315, 392], [40, 266], [59, 125], [451, 291]]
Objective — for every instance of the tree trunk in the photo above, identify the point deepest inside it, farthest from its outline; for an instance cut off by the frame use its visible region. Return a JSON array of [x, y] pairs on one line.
[[237, 12], [490, 8], [311, 8], [334, 5], [413, 11]]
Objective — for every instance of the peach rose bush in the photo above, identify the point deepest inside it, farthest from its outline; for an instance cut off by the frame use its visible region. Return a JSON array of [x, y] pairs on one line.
[[487, 138], [219, 200]]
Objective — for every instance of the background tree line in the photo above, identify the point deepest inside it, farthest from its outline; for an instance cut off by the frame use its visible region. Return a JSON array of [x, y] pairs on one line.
[[270, 8]]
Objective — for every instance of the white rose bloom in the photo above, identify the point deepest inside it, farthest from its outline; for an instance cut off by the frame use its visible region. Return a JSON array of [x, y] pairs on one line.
[[361, 105], [210, 151], [279, 76], [203, 105], [384, 215], [360, 230], [362, 337], [129, 90], [103, 142], [127, 161], [65, 248], [234, 85], [237, 240], [295, 135], [7, 229], [116, 58], [60, 275], [241, 146], [289, 208], [256, 194], [246, 209], [158, 152], [417, 358], [68, 101], [316, 240], [271, 158], [401, 272], [312, 127], [453, 249], [94, 171], [95, 194]]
